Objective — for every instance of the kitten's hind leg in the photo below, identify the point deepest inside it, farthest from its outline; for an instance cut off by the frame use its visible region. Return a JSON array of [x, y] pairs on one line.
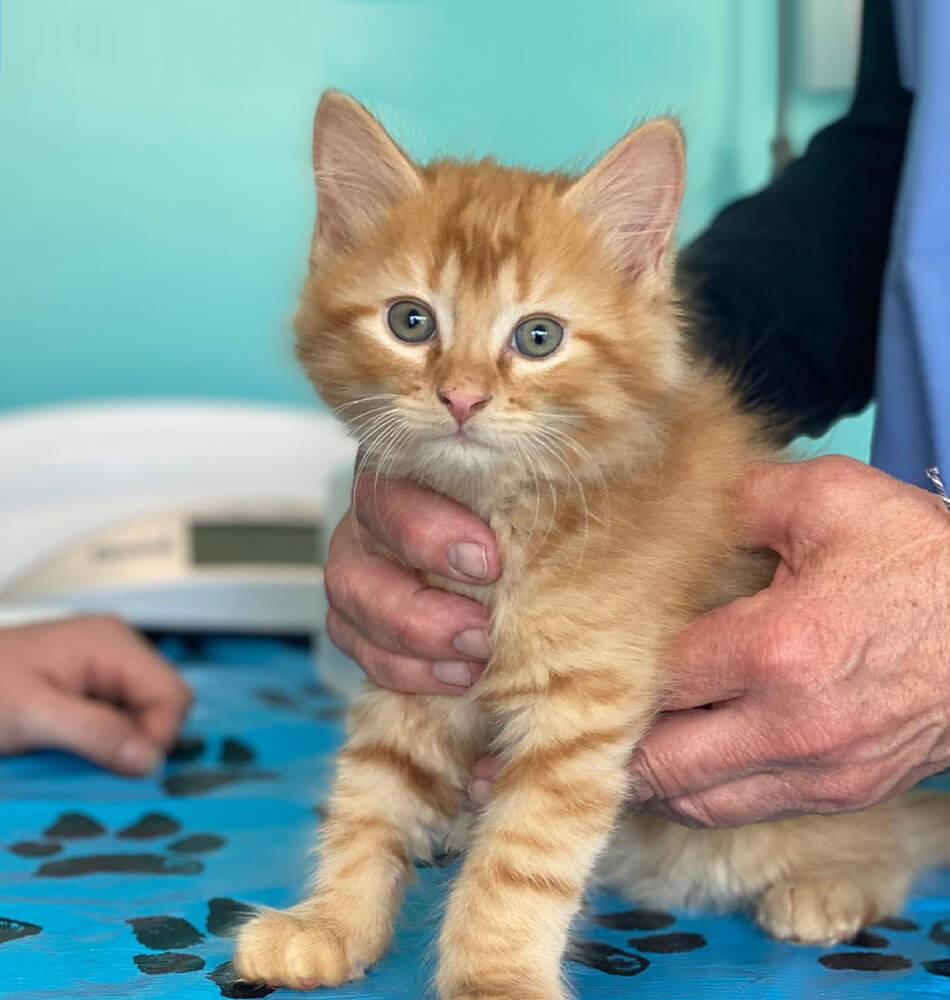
[[399, 782], [811, 879], [827, 906]]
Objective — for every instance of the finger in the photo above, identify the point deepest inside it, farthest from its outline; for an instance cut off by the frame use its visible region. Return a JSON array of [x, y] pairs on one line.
[[401, 673], [758, 798], [717, 657], [690, 751], [394, 611], [794, 790], [427, 531], [124, 668], [788, 792], [99, 732], [484, 772]]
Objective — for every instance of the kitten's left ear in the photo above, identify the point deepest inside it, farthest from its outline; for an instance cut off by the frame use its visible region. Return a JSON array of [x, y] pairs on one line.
[[633, 195]]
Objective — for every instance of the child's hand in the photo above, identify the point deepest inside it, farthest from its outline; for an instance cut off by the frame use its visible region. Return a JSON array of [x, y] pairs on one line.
[[91, 686]]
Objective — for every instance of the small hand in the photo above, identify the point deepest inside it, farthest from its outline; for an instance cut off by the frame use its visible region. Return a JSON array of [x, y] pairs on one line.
[[405, 635], [91, 686]]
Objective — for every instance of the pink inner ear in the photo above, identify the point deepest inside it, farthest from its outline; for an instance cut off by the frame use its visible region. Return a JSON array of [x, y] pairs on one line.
[[358, 169], [633, 193]]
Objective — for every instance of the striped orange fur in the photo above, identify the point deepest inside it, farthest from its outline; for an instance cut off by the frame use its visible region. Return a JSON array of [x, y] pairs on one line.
[[607, 471]]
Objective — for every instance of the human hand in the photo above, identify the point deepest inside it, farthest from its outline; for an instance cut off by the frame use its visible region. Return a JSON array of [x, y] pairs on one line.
[[405, 635], [91, 686], [832, 686]]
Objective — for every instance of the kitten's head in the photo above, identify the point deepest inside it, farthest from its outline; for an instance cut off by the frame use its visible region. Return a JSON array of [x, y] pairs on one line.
[[467, 318]]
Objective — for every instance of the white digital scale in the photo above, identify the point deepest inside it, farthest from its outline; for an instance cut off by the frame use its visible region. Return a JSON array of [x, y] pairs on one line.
[[175, 516]]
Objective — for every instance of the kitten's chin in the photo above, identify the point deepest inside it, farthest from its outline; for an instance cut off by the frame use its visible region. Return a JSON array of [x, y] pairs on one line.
[[460, 466], [461, 451], [454, 456]]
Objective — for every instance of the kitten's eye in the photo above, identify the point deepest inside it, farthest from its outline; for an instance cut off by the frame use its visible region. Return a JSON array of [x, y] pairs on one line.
[[537, 336], [411, 321]]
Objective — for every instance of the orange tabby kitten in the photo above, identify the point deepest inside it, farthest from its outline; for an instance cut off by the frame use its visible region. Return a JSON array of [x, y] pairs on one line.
[[511, 339]]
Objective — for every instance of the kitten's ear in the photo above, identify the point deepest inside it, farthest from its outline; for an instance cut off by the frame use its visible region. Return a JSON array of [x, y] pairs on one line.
[[358, 169], [633, 195]]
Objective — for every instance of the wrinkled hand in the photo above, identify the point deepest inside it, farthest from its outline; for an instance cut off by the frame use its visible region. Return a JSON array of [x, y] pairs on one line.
[[91, 686], [832, 686], [405, 635]]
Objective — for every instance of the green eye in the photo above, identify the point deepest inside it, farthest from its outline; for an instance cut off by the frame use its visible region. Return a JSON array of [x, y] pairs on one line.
[[411, 321], [537, 336]]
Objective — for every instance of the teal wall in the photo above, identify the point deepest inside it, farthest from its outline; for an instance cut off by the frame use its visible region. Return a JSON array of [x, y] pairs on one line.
[[155, 196]]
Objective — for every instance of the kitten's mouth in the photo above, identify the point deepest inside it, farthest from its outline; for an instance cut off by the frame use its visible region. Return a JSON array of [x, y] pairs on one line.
[[464, 438]]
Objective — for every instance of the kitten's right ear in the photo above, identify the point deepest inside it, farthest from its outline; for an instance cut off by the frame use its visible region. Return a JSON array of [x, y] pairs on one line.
[[358, 169]]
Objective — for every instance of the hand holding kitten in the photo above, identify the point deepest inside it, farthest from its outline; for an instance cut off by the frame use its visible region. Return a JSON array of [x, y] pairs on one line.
[[405, 635], [833, 685]]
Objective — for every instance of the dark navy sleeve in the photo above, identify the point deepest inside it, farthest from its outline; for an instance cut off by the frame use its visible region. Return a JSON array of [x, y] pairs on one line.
[[785, 285]]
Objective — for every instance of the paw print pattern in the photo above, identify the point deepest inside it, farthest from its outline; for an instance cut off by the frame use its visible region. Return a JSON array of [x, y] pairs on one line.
[[163, 933], [234, 764], [314, 700], [180, 859], [617, 961], [866, 949], [863, 959]]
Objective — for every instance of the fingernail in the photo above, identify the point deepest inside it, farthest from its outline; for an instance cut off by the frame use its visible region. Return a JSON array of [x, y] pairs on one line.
[[474, 643], [138, 756], [452, 672], [468, 558], [478, 790]]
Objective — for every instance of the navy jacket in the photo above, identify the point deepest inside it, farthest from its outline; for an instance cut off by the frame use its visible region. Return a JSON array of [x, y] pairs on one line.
[[786, 284]]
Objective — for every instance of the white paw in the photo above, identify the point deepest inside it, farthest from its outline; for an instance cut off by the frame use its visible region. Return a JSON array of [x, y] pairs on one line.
[[287, 949], [819, 912]]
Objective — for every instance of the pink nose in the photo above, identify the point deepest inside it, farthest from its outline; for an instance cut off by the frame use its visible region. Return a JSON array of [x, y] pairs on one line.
[[463, 404]]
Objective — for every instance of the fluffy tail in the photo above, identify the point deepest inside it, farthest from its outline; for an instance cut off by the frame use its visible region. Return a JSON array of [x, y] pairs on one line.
[[927, 818]]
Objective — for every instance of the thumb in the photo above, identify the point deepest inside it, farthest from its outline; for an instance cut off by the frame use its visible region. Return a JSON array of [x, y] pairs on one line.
[[96, 730], [769, 498]]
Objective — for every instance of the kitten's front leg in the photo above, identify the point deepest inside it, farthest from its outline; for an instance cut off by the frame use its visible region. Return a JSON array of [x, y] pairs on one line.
[[399, 780], [550, 813]]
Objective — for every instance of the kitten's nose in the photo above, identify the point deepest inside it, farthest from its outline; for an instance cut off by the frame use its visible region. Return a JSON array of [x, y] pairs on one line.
[[462, 404]]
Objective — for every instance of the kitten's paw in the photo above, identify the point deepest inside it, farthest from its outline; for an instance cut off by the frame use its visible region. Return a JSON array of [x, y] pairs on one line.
[[289, 949], [823, 911]]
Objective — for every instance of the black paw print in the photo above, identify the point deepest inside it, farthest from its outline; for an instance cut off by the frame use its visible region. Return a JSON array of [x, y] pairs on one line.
[[314, 700], [616, 961], [606, 958], [865, 960], [163, 935], [869, 955], [620, 962], [181, 857], [11, 929], [870, 961], [234, 764]]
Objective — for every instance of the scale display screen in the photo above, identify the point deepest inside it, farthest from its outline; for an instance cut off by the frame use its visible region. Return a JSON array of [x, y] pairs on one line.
[[255, 543]]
